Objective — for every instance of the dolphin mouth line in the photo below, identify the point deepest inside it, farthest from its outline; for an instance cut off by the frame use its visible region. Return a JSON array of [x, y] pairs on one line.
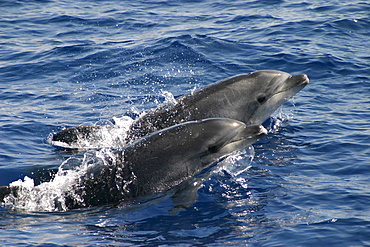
[[306, 80], [258, 135], [241, 140]]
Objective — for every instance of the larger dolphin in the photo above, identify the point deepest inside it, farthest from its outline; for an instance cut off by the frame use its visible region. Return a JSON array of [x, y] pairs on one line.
[[149, 165], [250, 98]]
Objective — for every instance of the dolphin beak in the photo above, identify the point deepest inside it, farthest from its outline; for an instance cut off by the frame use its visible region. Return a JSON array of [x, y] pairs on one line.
[[252, 133], [302, 79], [297, 82], [241, 138]]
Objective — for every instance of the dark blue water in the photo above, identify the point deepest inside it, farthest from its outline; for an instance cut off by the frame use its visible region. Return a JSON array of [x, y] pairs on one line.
[[68, 63]]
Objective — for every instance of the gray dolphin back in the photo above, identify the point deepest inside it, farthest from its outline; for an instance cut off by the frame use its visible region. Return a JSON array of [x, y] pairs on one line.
[[250, 98]]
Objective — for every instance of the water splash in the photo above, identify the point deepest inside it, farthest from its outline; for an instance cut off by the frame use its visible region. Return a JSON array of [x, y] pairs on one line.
[[280, 116], [169, 98], [238, 162], [99, 136], [50, 196]]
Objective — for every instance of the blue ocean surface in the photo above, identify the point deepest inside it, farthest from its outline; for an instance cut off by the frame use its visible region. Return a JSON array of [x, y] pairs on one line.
[[68, 63]]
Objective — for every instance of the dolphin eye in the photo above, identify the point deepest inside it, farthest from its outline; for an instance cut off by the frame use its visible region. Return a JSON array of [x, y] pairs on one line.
[[261, 99]]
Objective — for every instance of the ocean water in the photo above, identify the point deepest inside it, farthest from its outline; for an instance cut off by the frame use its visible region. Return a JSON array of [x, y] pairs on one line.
[[68, 63]]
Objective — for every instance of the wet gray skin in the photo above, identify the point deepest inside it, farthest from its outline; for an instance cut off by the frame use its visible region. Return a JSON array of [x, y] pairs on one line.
[[250, 98], [158, 162]]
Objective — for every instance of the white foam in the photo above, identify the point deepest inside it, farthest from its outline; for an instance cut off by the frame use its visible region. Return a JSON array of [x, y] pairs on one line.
[[108, 135], [169, 98], [50, 196]]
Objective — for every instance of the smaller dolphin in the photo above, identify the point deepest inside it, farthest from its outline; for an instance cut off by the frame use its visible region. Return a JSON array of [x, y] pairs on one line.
[[156, 163], [250, 98]]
